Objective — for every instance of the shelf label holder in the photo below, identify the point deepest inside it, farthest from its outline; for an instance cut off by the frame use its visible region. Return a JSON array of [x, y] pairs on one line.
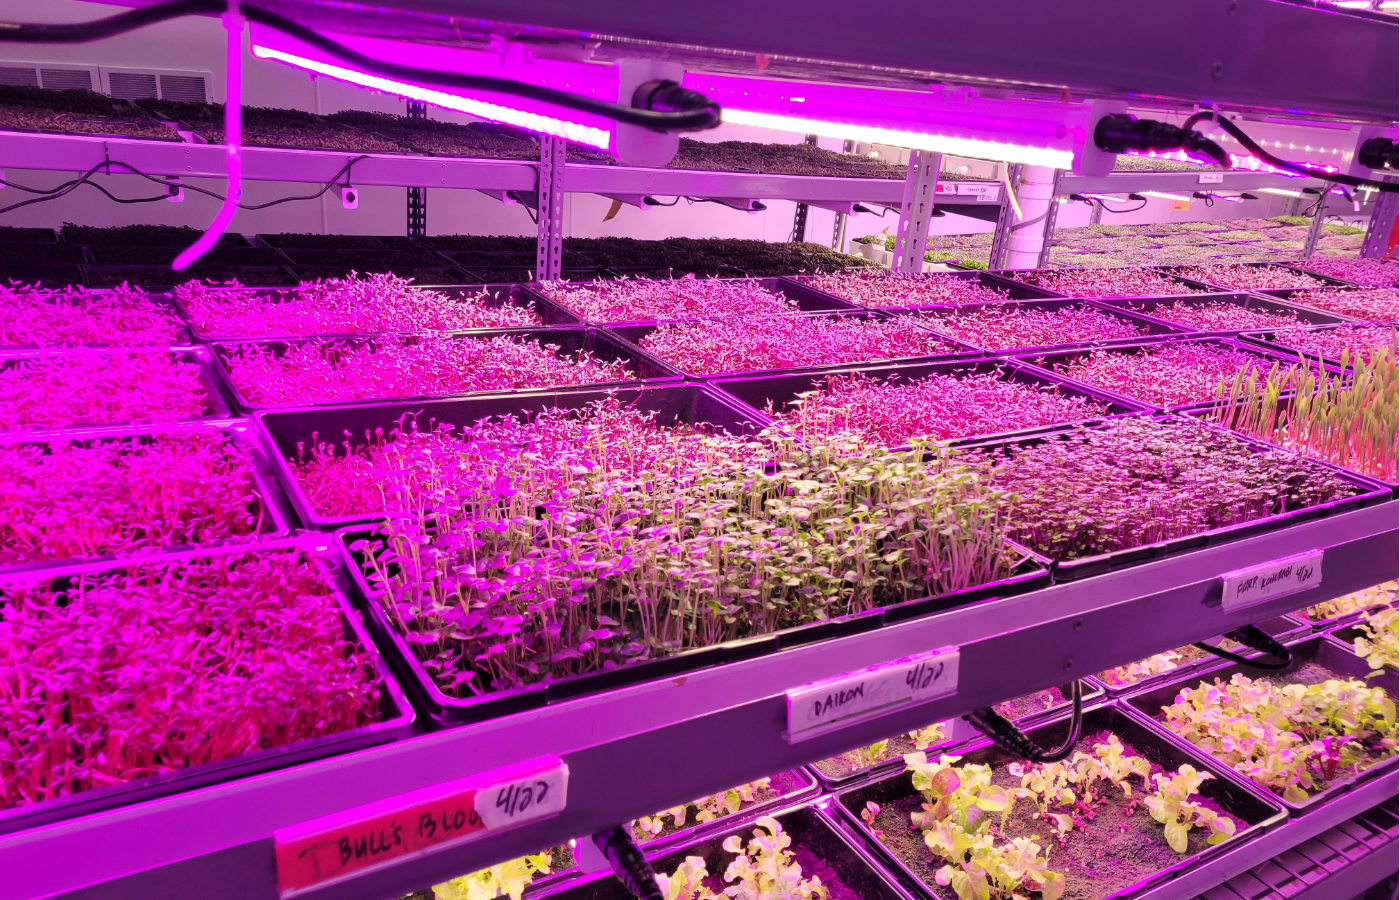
[[343, 844], [1246, 587], [825, 706]]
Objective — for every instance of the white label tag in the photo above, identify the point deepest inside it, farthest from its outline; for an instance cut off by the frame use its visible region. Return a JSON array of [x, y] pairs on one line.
[[1278, 578], [945, 187], [525, 799], [1211, 178], [984, 193], [825, 706]]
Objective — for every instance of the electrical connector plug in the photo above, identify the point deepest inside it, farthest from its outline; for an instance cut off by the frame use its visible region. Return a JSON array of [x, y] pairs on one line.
[[1120, 133]]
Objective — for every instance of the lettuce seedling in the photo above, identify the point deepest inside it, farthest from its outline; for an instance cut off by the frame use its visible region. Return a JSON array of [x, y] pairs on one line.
[[707, 809], [1170, 805], [765, 870], [1379, 643], [508, 879], [964, 795], [872, 755], [924, 738]]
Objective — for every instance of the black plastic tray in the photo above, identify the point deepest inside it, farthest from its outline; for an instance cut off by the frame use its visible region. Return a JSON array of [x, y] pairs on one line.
[[808, 300], [1337, 659], [1242, 801], [443, 710], [1151, 327], [1370, 492], [396, 715], [633, 335], [1265, 339], [1014, 290], [807, 826], [1282, 628], [1052, 358], [181, 327], [264, 503], [1343, 636], [780, 389], [570, 339], [498, 295], [1146, 306], [1336, 622], [693, 404], [210, 379]]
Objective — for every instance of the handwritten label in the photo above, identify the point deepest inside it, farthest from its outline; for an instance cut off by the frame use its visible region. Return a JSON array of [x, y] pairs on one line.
[[1278, 578], [1211, 178], [335, 846], [982, 191], [825, 706]]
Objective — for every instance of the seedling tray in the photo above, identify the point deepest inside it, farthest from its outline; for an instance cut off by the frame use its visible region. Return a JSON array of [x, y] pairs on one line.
[[396, 716], [633, 335], [1295, 295], [1054, 358], [1282, 628], [1315, 659], [816, 841], [215, 406], [1145, 308], [808, 300], [266, 502], [569, 339], [1266, 340], [497, 296], [1165, 271], [1324, 279], [692, 404], [1014, 290], [49, 276], [1255, 812], [1336, 622], [1151, 327], [1369, 492], [780, 389], [181, 329], [445, 711]]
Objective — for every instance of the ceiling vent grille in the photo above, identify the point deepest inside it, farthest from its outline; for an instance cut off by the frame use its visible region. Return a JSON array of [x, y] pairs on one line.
[[132, 86], [65, 79], [183, 88], [156, 84], [28, 76]]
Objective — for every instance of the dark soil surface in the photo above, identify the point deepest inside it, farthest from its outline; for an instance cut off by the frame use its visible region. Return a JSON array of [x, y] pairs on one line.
[[811, 864], [1031, 704], [778, 785], [144, 235], [1114, 850], [563, 861], [847, 764], [14, 234]]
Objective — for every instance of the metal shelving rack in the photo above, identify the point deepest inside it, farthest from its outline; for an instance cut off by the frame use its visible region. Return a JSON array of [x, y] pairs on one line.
[[633, 751]]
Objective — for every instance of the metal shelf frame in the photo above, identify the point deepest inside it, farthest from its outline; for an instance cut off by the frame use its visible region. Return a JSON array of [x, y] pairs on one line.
[[633, 751]]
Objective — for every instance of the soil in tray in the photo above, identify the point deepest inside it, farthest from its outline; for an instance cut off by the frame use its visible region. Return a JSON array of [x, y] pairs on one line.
[[758, 792], [1113, 849], [845, 765], [562, 859]]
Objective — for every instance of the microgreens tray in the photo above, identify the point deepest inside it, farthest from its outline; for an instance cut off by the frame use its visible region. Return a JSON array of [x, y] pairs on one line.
[[1133, 870], [819, 845], [1128, 281], [163, 316], [1309, 340], [1160, 309], [395, 716], [806, 299], [602, 348], [1012, 289], [1315, 659], [1362, 491], [207, 384], [498, 295], [774, 393], [289, 431], [444, 710], [1125, 326], [1203, 275], [1359, 304], [262, 503]]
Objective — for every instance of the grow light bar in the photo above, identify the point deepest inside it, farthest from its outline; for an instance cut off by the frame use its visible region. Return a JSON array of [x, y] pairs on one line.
[[1282, 192], [572, 131], [1163, 195], [1105, 198]]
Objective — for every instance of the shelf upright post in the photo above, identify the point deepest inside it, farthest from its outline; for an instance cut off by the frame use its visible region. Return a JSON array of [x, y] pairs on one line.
[[1382, 225], [417, 196], [997, 258], [1315, 228], [838, 231], [1051, 215], [916, 212], [549, 243]]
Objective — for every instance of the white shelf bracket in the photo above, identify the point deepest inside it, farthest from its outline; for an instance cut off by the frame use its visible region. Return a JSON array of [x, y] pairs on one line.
[[920, 190], [549, 244]]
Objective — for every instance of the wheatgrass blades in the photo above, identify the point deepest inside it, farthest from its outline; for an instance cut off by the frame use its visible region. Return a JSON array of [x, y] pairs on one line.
[[407, 470], [328, 371], [624, 566], [106, 388], [936, 407], [1135, 481], [62, 499], [688, 297], [372, 303], [160, 665], [1350, 419], [74, 316]]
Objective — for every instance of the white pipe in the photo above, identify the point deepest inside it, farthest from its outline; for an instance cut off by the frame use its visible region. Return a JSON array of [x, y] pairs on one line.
[[1035, 193]]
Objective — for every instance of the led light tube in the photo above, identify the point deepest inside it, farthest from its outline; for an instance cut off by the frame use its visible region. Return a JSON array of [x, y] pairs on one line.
[[1162, 195], [572, 131], [1282, 192]]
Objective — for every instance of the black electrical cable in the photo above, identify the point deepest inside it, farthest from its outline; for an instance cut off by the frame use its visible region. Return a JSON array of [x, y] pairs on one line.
[[652, 201], [1008, 737], [1257, 639], [628, 863], [692, 112], [1259, 152]]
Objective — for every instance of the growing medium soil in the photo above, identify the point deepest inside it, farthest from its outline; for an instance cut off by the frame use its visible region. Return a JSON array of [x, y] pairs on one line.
[[1031, 704], [847, 764], [1114, 850], [811, 864], [778, 785], [563, 861]]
